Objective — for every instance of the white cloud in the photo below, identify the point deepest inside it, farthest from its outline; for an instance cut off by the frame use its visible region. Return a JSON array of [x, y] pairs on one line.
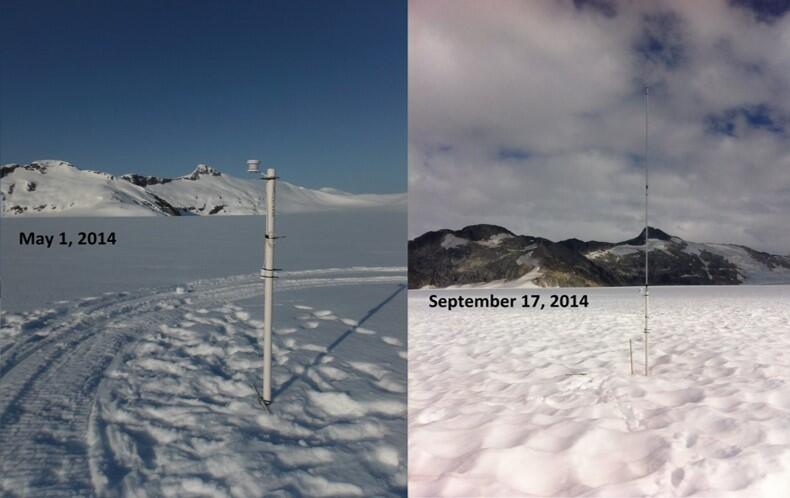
[[529, 115]]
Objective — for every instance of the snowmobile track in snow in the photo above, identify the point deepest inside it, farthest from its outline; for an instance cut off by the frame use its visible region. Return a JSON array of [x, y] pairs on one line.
[[49, 376]]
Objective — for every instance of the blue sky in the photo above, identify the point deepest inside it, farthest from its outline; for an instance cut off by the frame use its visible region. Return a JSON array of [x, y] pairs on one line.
[[316, 89]]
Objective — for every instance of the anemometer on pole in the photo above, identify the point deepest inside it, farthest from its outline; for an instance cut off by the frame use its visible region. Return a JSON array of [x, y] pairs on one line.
[[268, 276]]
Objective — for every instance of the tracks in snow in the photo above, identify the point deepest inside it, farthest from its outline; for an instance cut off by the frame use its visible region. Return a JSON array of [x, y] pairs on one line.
[[50, 375]]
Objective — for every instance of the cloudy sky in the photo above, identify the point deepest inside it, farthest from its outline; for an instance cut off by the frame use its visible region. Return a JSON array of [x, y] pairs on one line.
[[530, 115]]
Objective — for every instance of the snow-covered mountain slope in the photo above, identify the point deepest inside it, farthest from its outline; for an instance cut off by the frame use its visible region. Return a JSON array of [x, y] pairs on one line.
[[683, 262], [51, 188], [206, 191], [753, 267], [58, 188]]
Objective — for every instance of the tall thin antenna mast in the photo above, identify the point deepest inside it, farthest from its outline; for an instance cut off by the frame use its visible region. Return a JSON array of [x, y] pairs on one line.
[[647, 248]]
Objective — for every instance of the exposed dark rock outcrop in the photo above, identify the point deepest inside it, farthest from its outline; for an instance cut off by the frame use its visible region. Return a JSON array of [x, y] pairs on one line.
[[202, 170], [144, 181], [486, 253]]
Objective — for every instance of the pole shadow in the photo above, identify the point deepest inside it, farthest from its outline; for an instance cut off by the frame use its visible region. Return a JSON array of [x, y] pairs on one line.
[[282, 388]]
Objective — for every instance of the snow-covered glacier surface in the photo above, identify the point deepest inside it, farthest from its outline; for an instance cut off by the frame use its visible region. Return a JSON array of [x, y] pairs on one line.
[[130, 370], [530, 402], [159, 251]]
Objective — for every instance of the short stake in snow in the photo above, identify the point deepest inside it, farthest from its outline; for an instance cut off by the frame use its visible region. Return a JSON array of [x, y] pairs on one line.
[[268, 276]]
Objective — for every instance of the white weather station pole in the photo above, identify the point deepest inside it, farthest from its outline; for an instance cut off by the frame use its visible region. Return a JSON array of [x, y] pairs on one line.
[[268, 276]]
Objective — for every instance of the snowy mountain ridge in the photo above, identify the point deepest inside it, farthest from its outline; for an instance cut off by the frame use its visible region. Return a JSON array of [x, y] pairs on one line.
[[58, 188], [492, 256]]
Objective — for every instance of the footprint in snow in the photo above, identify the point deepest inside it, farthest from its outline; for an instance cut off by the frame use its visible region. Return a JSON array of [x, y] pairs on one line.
[[371, 369], [325, 315], [392, 341], [677, 476], [313, 347]]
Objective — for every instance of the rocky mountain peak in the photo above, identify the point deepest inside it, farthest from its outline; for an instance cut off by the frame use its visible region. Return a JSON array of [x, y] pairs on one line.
[[202, 170], [483, 232], [39, 166], [52, 163], [653, 233]]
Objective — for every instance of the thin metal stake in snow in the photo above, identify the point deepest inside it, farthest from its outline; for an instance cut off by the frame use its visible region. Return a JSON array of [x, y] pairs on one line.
[[268, 276], [631, 354], [647, 248]]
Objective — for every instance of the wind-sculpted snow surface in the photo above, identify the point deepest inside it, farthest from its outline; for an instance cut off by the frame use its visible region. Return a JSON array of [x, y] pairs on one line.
[[150, 393], [541, 402]]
